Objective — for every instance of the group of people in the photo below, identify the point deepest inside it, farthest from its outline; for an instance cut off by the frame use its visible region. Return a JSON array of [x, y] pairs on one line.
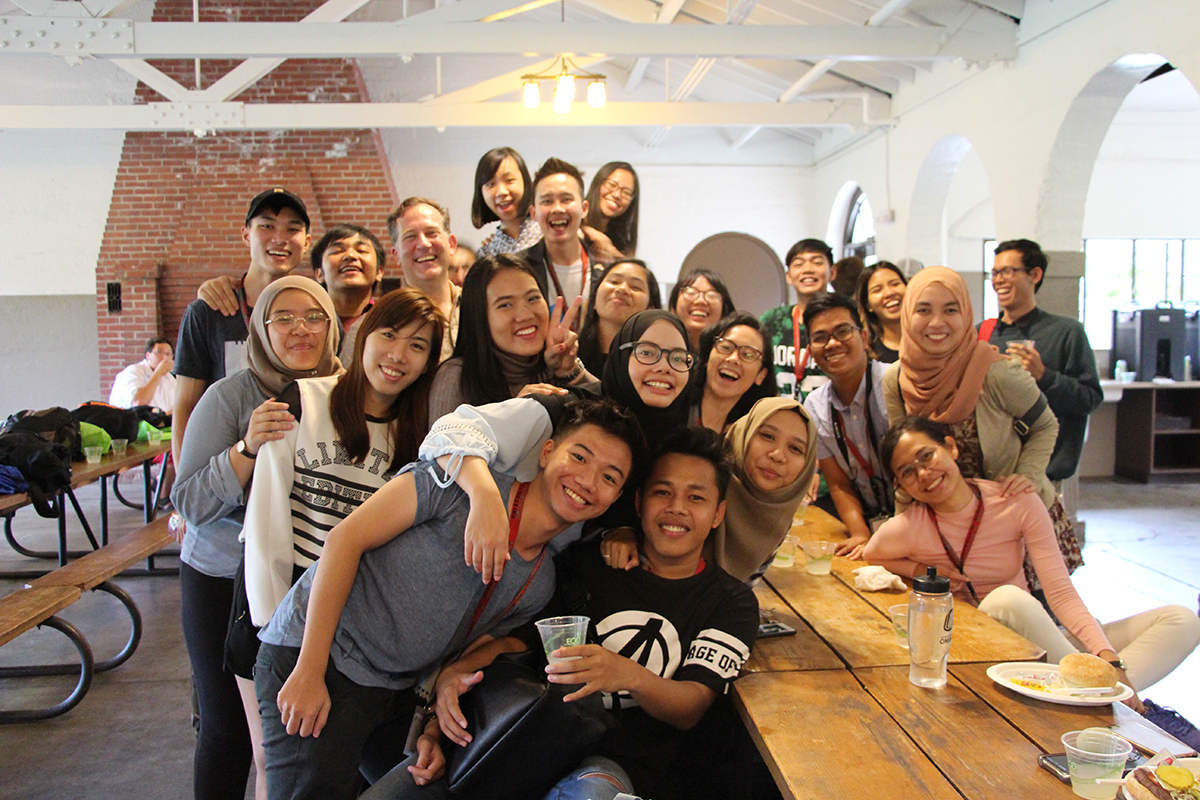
[[381, 493]]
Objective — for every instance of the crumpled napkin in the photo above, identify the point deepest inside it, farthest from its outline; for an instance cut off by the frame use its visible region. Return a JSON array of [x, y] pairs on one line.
[[876, 579]]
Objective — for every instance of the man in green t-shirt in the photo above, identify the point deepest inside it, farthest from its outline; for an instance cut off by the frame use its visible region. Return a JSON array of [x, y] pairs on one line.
[[810, 268]]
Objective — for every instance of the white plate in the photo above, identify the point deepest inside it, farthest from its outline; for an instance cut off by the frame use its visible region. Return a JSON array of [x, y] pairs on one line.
[[1047, 675], [1191, 763]]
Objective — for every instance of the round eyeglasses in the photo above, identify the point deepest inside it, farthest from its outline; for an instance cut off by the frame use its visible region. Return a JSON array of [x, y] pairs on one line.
[[843, 333], [692, 294], [727, 347], [313, 321], [649, 353]]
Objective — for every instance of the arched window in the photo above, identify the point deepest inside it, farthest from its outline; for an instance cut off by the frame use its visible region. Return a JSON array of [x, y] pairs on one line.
[[859, 236]]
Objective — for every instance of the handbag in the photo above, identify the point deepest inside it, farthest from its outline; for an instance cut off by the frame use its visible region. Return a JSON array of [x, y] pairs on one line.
[[524, 737]]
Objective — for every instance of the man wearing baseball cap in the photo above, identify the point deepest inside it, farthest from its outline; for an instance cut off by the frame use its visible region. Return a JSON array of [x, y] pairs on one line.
[[212, 345]]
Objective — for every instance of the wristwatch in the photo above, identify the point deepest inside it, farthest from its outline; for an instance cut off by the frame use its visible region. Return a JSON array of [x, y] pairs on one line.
[[244, 450], [1120, 664]]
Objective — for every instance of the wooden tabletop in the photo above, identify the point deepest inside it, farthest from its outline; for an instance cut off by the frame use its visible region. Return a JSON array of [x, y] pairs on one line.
[[83, 473]]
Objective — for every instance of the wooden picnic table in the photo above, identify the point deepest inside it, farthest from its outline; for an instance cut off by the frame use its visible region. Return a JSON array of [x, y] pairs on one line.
[[82, 473], [834, 715]]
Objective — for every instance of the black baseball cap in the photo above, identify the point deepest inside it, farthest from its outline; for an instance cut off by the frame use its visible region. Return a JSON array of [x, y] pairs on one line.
[[278, 196]]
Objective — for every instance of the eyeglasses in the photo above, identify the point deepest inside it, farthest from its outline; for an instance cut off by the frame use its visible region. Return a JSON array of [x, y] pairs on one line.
[[649, 353], [843, 333], [746, 353], [615, 188], [313, 321], [1007, 272], [692, 294], [907, 472]]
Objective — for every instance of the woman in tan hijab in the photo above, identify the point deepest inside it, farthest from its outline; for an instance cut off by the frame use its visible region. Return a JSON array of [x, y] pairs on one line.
[[995, 409]]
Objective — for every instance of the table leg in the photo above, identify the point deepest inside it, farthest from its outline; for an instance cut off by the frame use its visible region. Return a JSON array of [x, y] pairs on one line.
[[103, 510]]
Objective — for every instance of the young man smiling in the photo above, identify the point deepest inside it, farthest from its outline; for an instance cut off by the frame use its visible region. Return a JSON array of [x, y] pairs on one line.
[[1055, 350], [670, 635], [851, 418], [809, 271], [423, 246], [391, 598], [348, 261], [559, 208], [212, 343]]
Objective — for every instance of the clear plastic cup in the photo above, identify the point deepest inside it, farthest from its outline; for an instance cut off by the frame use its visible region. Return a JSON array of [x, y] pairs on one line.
[[118, 446], [92, 454], [785, 556], [818, 557], [899, 617], [557, 632], [154, 435], [1094, 754]]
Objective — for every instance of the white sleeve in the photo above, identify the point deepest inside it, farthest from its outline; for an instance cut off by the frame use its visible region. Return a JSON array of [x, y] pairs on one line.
[[508, 435], [267, 530], [123, 388]]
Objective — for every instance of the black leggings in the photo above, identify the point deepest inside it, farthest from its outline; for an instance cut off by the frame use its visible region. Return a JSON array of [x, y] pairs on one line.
[[223, 755]]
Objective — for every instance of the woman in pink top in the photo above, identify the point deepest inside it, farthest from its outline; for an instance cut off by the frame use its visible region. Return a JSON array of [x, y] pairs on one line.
[[921, 453]]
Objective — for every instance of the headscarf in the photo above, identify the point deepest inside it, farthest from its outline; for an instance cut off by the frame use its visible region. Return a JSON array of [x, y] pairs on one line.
[[616, 383], [944, 388], [268, 370], [756, 521]]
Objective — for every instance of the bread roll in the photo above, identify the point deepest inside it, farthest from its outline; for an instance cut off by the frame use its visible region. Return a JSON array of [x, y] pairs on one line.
[[1085, 671]]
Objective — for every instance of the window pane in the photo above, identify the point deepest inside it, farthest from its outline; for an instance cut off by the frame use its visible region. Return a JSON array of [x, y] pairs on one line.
[[1149, 271], [1108, 284], [864, 221], [1191, 271]]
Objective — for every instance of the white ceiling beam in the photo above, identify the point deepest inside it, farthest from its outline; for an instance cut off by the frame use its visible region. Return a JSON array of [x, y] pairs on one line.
[[343, 116], [666, 16], [625, 10], [123, 38], [155, 78]]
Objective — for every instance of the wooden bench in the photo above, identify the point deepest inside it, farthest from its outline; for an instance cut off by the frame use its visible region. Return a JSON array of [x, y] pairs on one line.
[[43, 597], [23, 610]]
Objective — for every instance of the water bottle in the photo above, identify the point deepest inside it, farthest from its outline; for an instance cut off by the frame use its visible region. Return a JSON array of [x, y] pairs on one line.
[[930, 623]]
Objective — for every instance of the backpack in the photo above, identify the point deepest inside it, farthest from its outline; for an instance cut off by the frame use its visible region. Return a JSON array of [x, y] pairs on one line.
[[154, 416], [52, 424], [119, 423], [45, 465]]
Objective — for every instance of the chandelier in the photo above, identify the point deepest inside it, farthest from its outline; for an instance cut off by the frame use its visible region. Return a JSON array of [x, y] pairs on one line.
[[564, 86]]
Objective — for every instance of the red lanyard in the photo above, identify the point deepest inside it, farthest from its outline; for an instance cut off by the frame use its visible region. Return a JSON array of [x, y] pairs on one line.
[[514, 524], [958, 561], [583, 257], [801, 365]]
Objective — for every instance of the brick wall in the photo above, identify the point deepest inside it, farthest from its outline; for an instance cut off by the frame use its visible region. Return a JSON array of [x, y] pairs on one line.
[[179, 201]]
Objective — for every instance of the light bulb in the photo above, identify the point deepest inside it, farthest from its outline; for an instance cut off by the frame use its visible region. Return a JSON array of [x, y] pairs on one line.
[[532, 95], [596, 94], [566, 85], [562, 103]]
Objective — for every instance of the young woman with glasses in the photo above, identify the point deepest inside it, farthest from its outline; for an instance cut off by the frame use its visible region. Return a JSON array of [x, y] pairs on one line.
[[700, 299], [739, 370], [611, 224]]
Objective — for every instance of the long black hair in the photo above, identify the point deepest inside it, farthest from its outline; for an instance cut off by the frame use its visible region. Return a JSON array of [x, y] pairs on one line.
[[490, 162], [589, 331], [869, 317], [482, 376], [623, 228]]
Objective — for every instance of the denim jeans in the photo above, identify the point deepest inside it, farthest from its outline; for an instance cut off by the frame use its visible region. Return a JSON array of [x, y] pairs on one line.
[[324, 767], [582, 784]]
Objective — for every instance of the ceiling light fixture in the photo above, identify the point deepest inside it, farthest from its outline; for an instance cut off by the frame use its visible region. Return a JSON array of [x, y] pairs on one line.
[[564, 86]]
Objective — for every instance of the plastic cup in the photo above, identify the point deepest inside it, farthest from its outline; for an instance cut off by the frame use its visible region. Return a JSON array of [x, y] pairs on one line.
[[118, 446], [92, 454], [559, 632], [899, 617], [1092, 755], [154, 436], [818, 557], [1128, 377], [785, 556]]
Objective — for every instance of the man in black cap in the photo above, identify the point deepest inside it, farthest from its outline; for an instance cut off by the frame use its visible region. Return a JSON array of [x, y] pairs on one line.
[[212, 345]]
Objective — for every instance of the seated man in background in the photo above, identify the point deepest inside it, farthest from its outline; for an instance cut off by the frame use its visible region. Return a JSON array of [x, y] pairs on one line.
[[851, 419], [149, 382], [671, 635]]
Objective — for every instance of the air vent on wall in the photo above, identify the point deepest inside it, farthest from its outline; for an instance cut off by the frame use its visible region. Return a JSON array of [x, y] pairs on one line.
[[114, 297]]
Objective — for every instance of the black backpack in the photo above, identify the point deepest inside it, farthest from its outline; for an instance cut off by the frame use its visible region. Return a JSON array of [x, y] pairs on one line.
[[153, 415], [52, 424], [45, 465], [118, 423]]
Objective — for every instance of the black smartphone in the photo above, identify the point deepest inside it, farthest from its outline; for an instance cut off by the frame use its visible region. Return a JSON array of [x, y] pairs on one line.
[[1056, 765], [767, 630]]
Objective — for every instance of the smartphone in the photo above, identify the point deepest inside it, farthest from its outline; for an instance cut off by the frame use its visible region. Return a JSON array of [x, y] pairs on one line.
[[1056, 765], [767, 630]]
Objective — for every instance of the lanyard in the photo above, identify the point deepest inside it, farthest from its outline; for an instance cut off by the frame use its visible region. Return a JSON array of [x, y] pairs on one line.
[[583, 257], [514, 524], [801, 364], [958, 561], [839, 431]]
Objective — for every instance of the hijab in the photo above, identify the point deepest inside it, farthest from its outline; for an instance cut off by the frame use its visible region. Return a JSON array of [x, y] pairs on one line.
[[269, 372], [616, 383], [944, 388], [756, 521]]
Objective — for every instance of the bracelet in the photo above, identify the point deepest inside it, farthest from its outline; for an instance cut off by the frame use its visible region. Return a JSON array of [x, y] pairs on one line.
[[573, 374]]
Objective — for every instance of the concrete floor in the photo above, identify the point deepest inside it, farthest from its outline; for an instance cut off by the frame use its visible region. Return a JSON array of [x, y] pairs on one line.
[[132, 736]]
